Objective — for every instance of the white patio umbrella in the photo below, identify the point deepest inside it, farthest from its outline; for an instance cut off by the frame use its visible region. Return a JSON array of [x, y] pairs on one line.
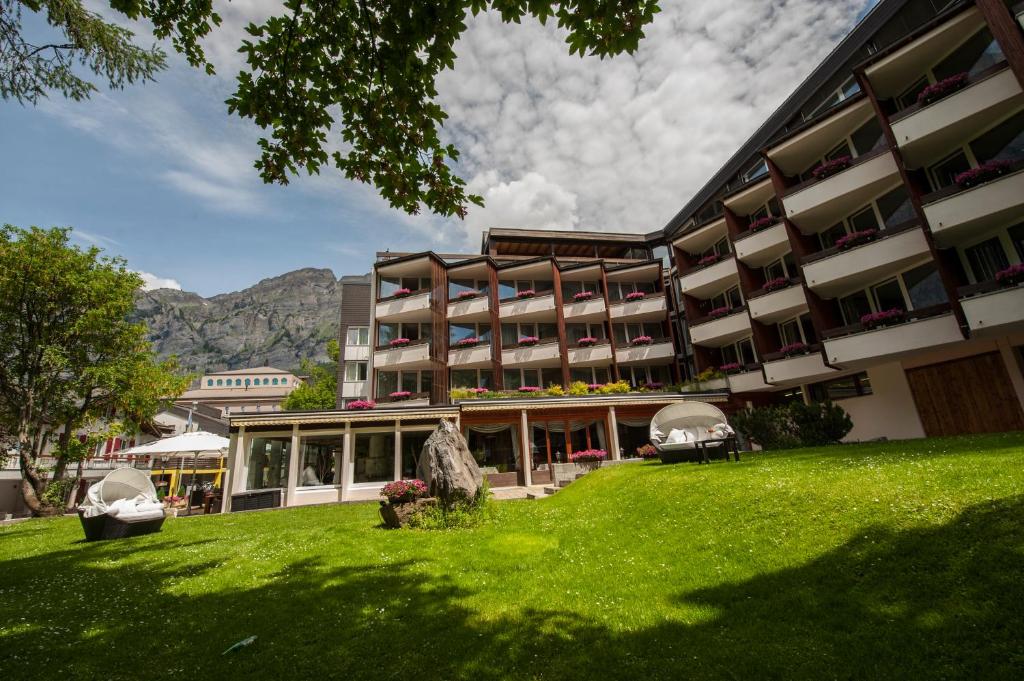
[[195, 443]]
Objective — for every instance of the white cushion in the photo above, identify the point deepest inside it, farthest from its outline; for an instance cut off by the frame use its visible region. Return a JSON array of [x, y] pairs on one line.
[[677, 436]]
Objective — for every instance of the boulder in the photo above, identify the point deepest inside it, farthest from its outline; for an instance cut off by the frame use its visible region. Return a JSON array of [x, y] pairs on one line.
[[448, 467], [398, 515]]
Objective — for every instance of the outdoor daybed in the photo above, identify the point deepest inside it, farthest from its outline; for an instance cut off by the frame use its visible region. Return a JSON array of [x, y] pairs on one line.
[[692, 431], [123, 504]]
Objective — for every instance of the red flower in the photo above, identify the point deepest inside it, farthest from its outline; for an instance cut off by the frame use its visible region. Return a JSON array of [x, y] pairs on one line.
[[831, 167]]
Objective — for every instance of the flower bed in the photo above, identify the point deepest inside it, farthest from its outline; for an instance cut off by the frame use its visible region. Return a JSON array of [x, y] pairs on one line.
[[528, 293], [361, 405], [527, 341], [466, 295], [942, 88], [583, 295], [775, 284], [399, 395], [986, 172], [635, 295], [884, 318], [761, 223], [587, 341], [854, 239], [719, 312], [588, 456], [830, 168], [647, 452], [709, 260], [402, 293], [731, 367], [641, 340], [1011, 276], [399, 342], [404, 491], [530, 389], [470, 342], [792, 349]]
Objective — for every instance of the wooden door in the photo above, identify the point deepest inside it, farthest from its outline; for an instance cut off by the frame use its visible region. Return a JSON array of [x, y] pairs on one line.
[[965, 396]]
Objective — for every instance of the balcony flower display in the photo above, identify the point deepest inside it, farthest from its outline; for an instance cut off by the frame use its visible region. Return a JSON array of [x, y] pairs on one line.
[[719, 312], [527, 341], [466, 295], [829, 168], [775, 284], [361, 405], [588, 456], [470, 342], [884, 318], [400, 395], [796, 348], [634, 296], [761, 223], [709, 260], [586, 341], [594, 387], [647, 451], [530, 389], [986, 172], [942, 88], [402, 293], [583, 295], [479, 391], [526, 293], [641, 340], [1011, 276], [404, 491], [399, 342], [730, 368], [854, 239], [653, 385]]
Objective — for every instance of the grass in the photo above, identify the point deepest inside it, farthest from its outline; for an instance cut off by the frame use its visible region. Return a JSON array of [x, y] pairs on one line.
[[895, 560]]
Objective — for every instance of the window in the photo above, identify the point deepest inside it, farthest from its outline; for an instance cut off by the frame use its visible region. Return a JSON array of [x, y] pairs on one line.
[[868, 137], [909, 96], [574, 332], [976, 54], [854, 306], [373, 457], [387, 382], [841, 388], [357, 335], [1017, 239], [838, 152], [220, 382], [472, 378], [741, 352], [864, 219], [355, 371], [729, 298], [1005, 141], [319, 460], [247, 383], [457, 332], [412, 447], [517, 378], [774, 270], [789, 332], [266, 381], [238, 382], [759, 168], [590, 374], [895, 207], [495, 450], [268, 462], [209, 382], [888, 296], [829, 236], [943, 173], [624, 333], [457, 286], [274, 382], [924, 287]]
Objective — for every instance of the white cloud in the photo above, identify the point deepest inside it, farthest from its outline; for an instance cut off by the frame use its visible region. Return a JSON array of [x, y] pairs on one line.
[[531, 202], [93, 239], [151, 282]]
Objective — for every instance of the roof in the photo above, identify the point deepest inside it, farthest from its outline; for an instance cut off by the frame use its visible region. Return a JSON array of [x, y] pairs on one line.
[[207, 394], [569, 235], [252, 371]]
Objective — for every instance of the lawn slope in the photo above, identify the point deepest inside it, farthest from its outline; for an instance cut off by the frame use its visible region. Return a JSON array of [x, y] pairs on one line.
[[890, 560]]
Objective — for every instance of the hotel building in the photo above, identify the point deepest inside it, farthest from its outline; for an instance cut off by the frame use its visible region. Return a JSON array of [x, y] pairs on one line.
[[860, 247]]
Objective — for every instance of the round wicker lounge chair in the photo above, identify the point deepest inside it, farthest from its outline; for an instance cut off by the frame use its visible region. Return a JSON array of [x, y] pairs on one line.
[[103, 519], [686, 431]]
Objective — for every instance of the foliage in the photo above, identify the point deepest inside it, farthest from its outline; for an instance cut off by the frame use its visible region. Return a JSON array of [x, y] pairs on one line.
[[577, 388], [766, 426], [794, 425], [555, 390], [647, 451], [588, 456], [57, 492], [459, 514], [320, 389], [404, 491], [69, 356]]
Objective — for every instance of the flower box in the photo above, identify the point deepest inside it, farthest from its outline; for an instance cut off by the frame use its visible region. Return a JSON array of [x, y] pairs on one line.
[[471, 342], [986, 172], [479, 391], [399, 342], [761, 223], [583, 295], [647, 451], [527, 341], [1011, 276], [466, 295], [719, 312], [402, 293], [528, 293], [854, 239], [530, 389], [942, 88], [792, 349], [653, 385], [587, 341], [731, 367], [641, 340], [404, 491], [830, 168], [775, 284], [588, 456], [635, 295], [361, 405], [709, 260], [875, 320], [594, 387], [400, 395]]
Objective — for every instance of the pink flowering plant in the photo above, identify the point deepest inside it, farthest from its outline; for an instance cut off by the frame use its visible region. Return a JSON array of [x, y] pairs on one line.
[[594, 387], [635, 295], [400, 395], [829, 168], [1011, 276], [761, 223], [796, 348], [528, 340], [470, 342], [404, 491], [479, 391], [775, 284], [719, 312], [653, 385], [583, 295], [883, 318], [361, 405], [854, 239], [399, 342], [730, 368], [709, 260], [647, 451], [641, 340], [986, 172], [942, 88], [588, 456], [466, 295], [586, 341], [530, 389], [526, 293], [402, 293]]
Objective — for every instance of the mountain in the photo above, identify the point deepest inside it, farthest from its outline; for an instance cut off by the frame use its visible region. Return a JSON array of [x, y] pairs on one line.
[[277, 322]]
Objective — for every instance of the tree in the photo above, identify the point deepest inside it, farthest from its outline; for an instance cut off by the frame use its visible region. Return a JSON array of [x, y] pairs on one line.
[[319, 391], [366, 67], [69, 357]]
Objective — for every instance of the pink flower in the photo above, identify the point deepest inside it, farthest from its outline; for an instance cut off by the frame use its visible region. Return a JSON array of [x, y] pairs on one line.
[[587, 341], [402, 293], [479, 391], [832, 167], [776, 283], [940, 89], [709, 259], [583, 295], [731, 366], [529, 389], [404, 491], [463, 295], [636, 295], [529, 340], [361, 405], [594, 386], [588, 456], [720, 312], [641, 340], [647, 451], [761, 223], [653, 385], [793, 348], [1011, 276], [986, 172], [527, 293], [399, 342], [400, 395], [874, 319], [856, 238], [468, 342]]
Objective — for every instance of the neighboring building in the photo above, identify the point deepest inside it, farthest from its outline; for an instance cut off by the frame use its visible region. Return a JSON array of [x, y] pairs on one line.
[[354, 339], [242, 391], [849, 251]]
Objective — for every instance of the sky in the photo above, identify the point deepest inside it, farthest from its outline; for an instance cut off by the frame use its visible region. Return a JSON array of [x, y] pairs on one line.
[[160, 173]]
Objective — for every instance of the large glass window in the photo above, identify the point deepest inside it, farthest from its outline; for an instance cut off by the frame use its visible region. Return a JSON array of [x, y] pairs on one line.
[[412, 447], [494, 448], [319, 461], [924, 286], [895, 207], [829, 236], [856, 385], [472, 378], [457, 286], [888, 296], [357, 335], [868, 137], [943, 173], [268, 462], [854, 306], [387, 382], [975, 55], [374, 457], [1017, 239], [1005, 141], [354, 371], [863, 220]]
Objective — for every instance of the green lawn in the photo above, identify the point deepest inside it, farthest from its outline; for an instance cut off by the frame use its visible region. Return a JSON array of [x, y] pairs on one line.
[[895, 560]]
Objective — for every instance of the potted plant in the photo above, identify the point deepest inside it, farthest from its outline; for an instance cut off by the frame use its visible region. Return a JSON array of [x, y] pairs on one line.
[[404, 491], [402, 293], [792, 349], [634, 296], [470, 342], [588, 458], [942, 88], [719, 312], [399, 342], [530, 389], [587, 341], [641, 340], [594, 387], [526, 293], [854, 239], [710, 259], [400, 395], [653, 386], [466, 295], [361, 405], [583, 295], [884, 318], [479, 391], [1011, 276], [986, 172], [527, 341], [402, 500], [830, 168], [761, 223], [731, 368]]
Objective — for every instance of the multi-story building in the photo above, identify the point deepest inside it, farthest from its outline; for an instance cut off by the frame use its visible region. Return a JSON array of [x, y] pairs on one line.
[[241, 391], [861, 247]]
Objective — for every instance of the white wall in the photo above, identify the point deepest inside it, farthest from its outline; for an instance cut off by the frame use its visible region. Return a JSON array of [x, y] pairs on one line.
[[889, 412]]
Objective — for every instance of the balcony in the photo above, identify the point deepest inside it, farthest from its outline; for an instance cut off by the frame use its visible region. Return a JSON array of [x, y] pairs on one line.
[[546, 353], [413, 400], [925, 133], [856, 346], [759, 248], [474, 357], [660, 351], [599, 354], [719, 331], [416, 355], [354, 389], [470, 310], [954, 212], [833, 272], [414, 307], [538, 309], [785, 371], [651, 308], [748, 380], [578, 312], [703, 237], [798, 149], [993, 309], [816, 204], [770, 307], [707, 281]]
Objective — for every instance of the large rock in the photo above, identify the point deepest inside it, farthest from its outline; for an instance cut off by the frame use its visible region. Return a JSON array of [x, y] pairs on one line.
[[399, 515], [448, 467]]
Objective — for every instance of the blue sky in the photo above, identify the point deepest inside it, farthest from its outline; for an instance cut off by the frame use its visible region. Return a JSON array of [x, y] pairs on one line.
[[160, 174]]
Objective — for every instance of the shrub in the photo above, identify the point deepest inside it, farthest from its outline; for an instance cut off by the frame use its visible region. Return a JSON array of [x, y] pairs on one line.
[[400, 395], [462, 513], [709, 374], [588, 456], [404, 491], [361, 405], [616, 387], [555, 390], [578, 388], [647, 451], [653, 386], [730, 367], [530, 389], [794, 425]]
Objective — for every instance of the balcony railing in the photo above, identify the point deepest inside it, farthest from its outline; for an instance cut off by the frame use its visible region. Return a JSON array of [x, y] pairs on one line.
[[860, 160], [909, 316], [710, 318], [411, 294], [954, 189], [882, 234], [659, 350], [991, 306], [545, 352], [971, 80], [597, 354], [397, 401], [858, 345]]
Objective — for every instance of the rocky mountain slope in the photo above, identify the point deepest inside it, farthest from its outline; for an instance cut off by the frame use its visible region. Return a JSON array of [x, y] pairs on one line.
[[277, 322]]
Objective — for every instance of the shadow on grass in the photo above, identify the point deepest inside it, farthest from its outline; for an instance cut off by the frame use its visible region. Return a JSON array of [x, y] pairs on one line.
[[942, 602]]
